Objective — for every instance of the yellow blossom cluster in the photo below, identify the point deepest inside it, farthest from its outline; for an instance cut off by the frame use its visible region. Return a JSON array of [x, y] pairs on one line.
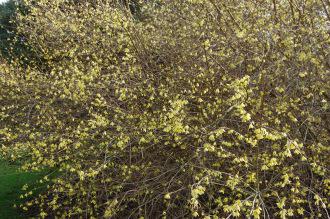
[[178, 109]]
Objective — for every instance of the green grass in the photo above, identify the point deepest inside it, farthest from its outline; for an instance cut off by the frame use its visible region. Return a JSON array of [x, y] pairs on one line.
[[11, 182]]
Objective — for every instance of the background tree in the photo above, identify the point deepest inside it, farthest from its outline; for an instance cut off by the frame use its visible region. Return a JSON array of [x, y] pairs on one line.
[[7, 29], [14, 47]]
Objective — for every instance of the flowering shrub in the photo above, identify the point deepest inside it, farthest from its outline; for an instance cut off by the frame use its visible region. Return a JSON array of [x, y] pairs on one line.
[[197, 108]]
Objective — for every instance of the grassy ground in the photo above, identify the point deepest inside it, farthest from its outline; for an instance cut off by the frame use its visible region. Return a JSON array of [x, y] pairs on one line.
[[11, 182]]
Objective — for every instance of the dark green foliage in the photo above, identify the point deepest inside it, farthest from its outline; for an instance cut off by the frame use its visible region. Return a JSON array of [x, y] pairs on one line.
[[13, 45], [8, 34]]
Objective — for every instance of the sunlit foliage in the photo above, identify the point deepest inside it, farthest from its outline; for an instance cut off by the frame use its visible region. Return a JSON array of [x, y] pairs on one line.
[[195, 108]]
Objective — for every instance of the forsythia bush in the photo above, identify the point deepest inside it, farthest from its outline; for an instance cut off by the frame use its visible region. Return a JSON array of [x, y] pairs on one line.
[[194, 108]]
